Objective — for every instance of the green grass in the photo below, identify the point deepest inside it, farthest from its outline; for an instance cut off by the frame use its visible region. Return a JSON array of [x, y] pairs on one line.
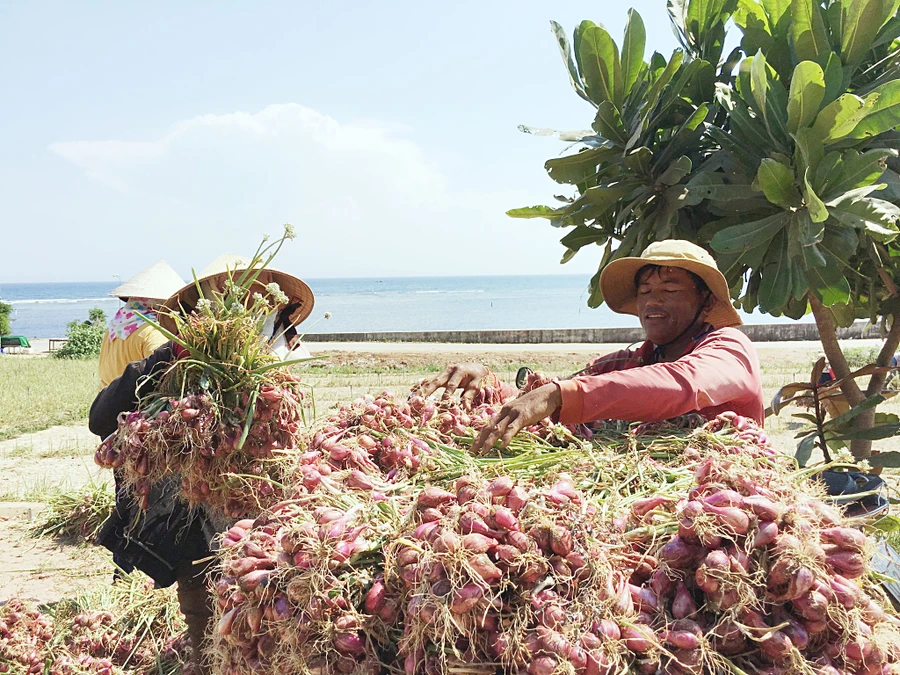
[[66, 449], [37, 393], [40, 490]]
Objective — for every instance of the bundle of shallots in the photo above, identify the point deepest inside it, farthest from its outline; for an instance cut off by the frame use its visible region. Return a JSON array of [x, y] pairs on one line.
[[225, 412], [293, 586]]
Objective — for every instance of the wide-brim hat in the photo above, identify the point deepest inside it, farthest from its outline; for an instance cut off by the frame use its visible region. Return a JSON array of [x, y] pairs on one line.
[[619, 290], [157, 282], [185, 298]]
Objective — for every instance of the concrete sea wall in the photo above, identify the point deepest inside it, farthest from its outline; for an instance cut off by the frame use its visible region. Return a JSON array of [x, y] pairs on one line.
[[774, 332]]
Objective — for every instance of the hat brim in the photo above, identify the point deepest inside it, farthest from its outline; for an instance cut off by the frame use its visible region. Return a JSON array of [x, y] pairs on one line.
[[185, 299], [620, 294]]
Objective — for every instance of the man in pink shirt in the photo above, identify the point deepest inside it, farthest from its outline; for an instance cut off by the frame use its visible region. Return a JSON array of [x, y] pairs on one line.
[[694, 359]]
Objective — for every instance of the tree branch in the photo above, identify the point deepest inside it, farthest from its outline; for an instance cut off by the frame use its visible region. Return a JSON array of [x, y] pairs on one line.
[[832, 347], [837, 361], [891, 342]]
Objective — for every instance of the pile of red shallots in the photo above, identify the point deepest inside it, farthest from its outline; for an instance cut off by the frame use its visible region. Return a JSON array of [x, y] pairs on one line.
[[224, 461], [678, 552], [136, 632]]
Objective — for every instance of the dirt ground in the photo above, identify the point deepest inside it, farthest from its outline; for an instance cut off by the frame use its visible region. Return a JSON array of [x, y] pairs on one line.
[[62, 456], [46, 570]]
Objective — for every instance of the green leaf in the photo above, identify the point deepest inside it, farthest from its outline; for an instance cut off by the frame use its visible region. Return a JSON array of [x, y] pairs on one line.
[[873, 434], [854, 412], [701, 85], [576, 168], [888, 524], [750, 14], [566, 52], [759, 83], [733, 264], [603, 196], [598, 63], [582, 236], [808, 152], [608, 123], [663, 80], [749, 235], [806, 94], [535, 212], [889, 32], [750, 131], [779, 274], [808, 232], [856, 171], [839, 118], [887, 460], [827, 282], [816, 207], [677, 170], [633, 49], [595, 299], [844, 314], [808, 31], [639, 159], [776, 10], [776, 112], [876, 217], [718, 192], [805, 448], [834, 78], [861, 20], [884, 114], [777, 183]]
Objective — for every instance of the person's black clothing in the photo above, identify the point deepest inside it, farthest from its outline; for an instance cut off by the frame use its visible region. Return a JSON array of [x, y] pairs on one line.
[[122, 393], [168, 536]]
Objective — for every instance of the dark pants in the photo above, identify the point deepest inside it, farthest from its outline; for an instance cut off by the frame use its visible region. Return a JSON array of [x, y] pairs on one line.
[[195, 602], [122, 499]]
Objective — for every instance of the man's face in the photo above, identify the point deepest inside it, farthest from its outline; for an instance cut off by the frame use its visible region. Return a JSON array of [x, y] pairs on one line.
[[667, 302]]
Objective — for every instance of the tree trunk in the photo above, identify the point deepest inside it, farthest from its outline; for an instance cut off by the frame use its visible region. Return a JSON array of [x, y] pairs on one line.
[[828, 335]]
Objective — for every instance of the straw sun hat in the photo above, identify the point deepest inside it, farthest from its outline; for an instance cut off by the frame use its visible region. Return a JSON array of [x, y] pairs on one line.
[[157, 282], [620, 293], [185, 298]]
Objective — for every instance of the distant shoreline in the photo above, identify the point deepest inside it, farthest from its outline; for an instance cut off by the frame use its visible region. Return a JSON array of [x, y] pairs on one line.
[[41, 346]]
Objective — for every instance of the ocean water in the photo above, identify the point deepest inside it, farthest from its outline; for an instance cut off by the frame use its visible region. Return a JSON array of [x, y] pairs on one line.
[[358, 305]]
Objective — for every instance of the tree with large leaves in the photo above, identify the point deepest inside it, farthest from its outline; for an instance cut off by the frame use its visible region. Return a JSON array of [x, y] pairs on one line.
[[780, 157]]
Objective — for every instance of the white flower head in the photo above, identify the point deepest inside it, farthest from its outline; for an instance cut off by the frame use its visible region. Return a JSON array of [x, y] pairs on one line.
[[843, 456], [274, 290], [327, 315], [289, 232], [203, 305], [863, 465], [236, 307]]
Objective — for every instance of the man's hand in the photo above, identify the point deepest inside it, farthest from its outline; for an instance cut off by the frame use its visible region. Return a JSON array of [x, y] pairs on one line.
[[519, 413], [465, 376]]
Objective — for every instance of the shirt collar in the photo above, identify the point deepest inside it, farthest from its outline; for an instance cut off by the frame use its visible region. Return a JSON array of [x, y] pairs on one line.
[[650, 353]]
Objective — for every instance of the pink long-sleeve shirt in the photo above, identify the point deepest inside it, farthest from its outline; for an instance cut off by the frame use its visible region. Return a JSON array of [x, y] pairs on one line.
[[719, 373]]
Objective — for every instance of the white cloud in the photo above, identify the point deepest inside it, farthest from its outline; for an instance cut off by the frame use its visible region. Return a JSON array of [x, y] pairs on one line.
[[365, 200]]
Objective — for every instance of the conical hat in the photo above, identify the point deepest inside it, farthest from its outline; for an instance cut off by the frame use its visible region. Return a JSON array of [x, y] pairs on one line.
[[186, 297], [157, 282]]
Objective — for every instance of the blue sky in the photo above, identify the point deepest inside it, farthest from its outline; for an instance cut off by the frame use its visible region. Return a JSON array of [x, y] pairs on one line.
[[385, 132]]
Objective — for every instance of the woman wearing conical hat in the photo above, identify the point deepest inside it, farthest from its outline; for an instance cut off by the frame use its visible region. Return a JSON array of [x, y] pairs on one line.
[[129, 337], [187, 561]]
